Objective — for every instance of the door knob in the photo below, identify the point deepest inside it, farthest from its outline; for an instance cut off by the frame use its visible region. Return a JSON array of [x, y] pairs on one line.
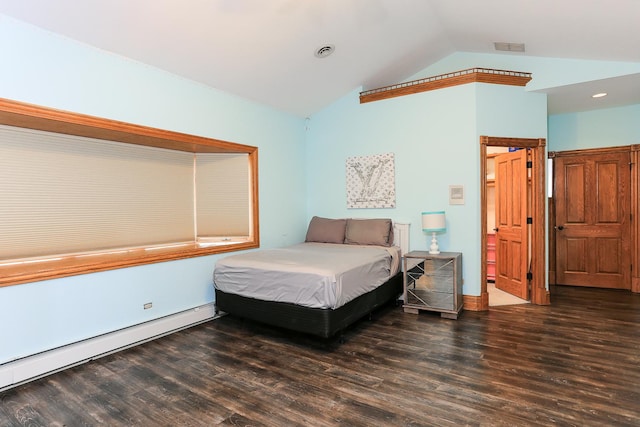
[[495, 229], [560, 227]]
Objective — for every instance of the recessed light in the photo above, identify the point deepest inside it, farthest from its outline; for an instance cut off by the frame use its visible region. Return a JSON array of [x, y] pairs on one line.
[[599, 95], [324, 51]]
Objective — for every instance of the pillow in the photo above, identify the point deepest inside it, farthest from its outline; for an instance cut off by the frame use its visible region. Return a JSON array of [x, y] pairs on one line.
[[325, 230], [369, 232]]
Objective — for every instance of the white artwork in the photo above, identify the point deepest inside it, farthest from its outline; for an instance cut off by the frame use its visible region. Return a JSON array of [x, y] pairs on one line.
[[371, 181]]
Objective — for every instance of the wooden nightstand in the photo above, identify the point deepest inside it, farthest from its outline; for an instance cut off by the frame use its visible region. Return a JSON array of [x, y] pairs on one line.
[[433, 282]]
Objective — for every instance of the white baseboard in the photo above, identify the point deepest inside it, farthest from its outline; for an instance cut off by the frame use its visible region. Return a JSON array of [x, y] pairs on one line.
[[48, 362]]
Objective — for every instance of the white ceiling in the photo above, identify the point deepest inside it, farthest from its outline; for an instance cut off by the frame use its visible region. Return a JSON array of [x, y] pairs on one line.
[[263, 50]]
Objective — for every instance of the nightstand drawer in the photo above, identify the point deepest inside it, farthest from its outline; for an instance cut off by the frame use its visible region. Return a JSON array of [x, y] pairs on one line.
[[431, 299], [433, 283]]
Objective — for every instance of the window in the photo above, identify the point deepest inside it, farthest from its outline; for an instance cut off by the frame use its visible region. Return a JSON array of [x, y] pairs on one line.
[[222, 186], [84, 194]]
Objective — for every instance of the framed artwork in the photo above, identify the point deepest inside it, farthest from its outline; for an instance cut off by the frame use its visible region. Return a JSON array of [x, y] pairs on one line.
[[371, 181]]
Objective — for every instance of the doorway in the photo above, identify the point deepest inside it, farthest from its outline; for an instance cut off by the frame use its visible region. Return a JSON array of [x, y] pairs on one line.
[[536, 283], [591, 239]]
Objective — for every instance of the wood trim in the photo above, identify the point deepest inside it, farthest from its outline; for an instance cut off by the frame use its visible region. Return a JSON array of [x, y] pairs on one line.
[[589, 151], [499, 141], [635, 226], [484, 294], [472, 75], [551, 233], [19, 114], [30, 116], [476, 303], [539, 293], [255, 199], [71, 265]]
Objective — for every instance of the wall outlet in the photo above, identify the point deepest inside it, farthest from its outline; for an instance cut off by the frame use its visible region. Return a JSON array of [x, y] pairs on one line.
[[148, 305]]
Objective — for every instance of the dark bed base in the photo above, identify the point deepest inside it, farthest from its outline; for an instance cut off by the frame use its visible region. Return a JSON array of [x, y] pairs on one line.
[[324, 323]]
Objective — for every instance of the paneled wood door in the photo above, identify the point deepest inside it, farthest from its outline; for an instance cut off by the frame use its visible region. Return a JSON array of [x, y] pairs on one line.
[[511, 223], [592, 221]]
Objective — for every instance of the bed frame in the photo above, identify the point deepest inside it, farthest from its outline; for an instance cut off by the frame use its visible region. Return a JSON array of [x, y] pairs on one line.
[[322, 322]]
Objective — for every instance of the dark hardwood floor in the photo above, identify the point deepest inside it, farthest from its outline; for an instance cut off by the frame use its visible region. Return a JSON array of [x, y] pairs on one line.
[[576, 362]]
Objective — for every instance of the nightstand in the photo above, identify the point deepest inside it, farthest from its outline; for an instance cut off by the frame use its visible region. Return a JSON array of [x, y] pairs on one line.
[[433, 282]]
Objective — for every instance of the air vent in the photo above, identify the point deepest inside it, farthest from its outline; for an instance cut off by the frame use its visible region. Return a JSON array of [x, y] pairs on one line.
[[509, 47], [324, 51]]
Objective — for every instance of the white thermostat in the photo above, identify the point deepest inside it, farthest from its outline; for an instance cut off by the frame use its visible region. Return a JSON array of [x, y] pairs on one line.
[[456, 195]]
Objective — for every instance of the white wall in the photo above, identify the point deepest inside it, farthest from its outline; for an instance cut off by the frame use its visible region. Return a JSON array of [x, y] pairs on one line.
[[52, 71]]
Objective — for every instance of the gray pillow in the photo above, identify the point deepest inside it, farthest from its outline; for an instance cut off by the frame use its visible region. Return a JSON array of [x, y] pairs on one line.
[[326, 230], [369, 232]]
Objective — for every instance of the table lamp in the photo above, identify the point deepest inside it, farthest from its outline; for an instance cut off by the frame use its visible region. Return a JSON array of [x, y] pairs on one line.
[[434, 222]]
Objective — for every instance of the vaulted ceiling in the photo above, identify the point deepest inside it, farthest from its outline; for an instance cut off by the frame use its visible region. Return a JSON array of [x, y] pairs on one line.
[[263, 50]]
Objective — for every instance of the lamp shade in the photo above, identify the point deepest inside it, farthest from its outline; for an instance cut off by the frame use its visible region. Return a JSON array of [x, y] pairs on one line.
[[433, 222]]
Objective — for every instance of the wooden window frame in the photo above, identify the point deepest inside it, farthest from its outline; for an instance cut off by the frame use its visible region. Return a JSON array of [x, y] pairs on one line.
[[18, 114]]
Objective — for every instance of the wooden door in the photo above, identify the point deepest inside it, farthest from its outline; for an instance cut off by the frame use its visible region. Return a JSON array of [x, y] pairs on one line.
[[511, 223], [592, 220]]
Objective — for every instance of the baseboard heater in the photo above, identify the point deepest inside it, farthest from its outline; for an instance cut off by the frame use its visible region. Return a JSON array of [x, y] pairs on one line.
[[23, 370]]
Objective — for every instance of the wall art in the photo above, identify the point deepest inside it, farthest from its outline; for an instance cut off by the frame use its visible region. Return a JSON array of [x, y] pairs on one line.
[[371, 181]]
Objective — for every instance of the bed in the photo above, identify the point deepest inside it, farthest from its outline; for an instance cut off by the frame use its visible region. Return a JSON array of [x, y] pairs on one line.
[[345, 269]]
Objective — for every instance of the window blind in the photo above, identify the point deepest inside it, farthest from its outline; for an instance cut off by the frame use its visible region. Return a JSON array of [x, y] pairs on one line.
[[223, 189], [65, 194]]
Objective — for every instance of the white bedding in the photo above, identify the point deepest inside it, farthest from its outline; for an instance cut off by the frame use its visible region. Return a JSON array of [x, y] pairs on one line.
[[318, 275]]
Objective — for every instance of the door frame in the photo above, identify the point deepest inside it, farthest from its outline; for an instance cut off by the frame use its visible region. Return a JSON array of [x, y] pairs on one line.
[[539, 292], [634, 187]]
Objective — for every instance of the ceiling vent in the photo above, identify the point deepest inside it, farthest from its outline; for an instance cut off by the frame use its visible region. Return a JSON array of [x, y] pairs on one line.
[[325, 51], [509, 47]]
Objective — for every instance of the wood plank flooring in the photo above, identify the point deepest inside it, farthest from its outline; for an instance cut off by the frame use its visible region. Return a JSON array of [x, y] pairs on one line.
[[574, 363]]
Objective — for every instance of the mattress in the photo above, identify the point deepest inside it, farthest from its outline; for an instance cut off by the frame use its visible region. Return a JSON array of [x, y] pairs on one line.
[[315, 275]]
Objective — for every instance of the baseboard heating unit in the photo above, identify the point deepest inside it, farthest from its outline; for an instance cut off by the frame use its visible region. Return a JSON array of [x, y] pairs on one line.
[[20, 371]]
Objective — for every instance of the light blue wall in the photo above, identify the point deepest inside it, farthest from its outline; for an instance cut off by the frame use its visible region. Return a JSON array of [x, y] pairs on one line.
[[424, 133], [593, 129], [511, 111], [598, 128], [546, 72], [435, 139], [52, 71]]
